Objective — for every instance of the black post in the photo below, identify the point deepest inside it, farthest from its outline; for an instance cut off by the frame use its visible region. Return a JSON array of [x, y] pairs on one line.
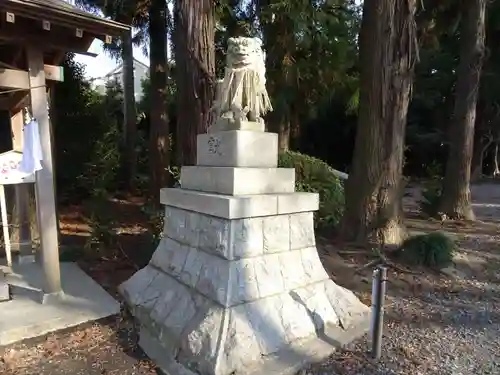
[[378, 298]]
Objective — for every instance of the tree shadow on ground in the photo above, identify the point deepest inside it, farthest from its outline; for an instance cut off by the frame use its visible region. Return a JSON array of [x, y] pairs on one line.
[[130, 250], [130, 238]]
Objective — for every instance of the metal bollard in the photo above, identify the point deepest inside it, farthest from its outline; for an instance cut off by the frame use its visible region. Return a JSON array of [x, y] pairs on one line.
[[378, 298]]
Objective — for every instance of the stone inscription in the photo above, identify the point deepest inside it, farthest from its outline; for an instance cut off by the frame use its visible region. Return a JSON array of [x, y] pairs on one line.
[[214, 145]]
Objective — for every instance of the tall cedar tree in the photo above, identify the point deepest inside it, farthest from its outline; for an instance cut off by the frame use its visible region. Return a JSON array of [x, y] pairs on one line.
[[388, 53], [279, 42], [456, 201], [158, 69], [195, 73]]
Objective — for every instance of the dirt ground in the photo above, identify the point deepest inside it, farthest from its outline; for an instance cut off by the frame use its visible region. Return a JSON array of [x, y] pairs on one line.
[[435, 323]]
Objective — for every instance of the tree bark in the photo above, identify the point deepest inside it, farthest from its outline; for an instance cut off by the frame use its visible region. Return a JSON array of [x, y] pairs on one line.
[[478, 159], [195, 70], [374, 190], [129, 111], [294, 127], [279, 44], [480, 143], [284, 135], [496, 172], [456, 201], [159, 141]]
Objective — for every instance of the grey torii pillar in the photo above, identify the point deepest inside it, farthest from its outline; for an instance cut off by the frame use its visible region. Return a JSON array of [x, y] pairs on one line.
[[44, 186], [22, 196]]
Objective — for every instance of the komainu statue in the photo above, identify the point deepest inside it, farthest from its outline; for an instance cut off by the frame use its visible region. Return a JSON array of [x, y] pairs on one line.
[[241, 95]]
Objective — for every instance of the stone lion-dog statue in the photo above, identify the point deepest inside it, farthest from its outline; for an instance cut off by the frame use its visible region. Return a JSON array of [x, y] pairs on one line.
[[241, 96]]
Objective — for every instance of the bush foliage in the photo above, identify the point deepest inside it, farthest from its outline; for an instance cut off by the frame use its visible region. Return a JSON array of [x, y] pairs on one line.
[[314, 175], [431, 197], [434, 250], [432, 191], [87, 136]]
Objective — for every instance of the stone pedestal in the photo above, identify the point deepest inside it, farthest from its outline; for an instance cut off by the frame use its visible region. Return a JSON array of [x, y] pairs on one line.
[[236, 285]]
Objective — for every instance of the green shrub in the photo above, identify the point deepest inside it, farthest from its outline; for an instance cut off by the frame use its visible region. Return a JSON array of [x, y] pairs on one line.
[[101, 174], [431, 198], [155, 223], [432, 191], [433, 250], [314, 175], [100, 180]]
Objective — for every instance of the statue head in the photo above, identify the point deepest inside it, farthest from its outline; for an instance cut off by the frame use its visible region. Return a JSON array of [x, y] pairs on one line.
[[242, 51]]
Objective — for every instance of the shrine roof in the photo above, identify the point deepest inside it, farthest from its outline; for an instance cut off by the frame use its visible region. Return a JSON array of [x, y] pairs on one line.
[[60, 10]]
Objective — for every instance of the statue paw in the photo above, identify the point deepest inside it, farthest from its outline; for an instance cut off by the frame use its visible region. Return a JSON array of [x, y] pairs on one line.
[[229, 115]]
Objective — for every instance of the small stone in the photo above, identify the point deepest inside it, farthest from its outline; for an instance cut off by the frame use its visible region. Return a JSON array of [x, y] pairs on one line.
[[302, 230], [453, 272], [276, 233], [214, 235], [170, 257], [247, 238]]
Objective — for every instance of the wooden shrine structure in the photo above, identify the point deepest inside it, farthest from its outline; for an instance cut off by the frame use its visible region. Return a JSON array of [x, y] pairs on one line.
[[35, 35]]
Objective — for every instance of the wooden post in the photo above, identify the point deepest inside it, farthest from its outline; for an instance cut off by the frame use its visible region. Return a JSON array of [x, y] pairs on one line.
[[22, 196], [51, 96], [22, 211], [44, 186], [5, 227]]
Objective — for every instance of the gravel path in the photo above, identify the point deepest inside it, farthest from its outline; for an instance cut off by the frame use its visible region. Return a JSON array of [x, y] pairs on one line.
[[451, 327]]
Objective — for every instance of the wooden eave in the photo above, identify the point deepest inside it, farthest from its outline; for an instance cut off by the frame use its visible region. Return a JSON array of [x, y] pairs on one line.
[[53, 27], [65, 17]]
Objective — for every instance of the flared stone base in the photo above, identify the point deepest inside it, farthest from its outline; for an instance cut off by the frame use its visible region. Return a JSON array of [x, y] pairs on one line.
[[235, 296], [182, 329]]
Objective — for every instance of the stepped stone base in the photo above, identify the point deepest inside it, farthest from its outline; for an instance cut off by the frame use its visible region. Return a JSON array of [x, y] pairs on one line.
[[236, 285], [238, 181], [237, 207], [249, 295]]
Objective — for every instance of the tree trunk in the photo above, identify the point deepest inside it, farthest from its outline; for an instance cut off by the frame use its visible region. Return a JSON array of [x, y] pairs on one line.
[[278, 122], [456, 201], [479, 144], [294, 126], [478, 160], [496, 172], [159, 141], [129, 111], [388, 53], [195, 69], [284, 135], [279, 44]]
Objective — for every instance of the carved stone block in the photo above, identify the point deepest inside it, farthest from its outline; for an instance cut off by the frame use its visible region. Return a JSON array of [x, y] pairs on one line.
[[238, 148], [237, 180]]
